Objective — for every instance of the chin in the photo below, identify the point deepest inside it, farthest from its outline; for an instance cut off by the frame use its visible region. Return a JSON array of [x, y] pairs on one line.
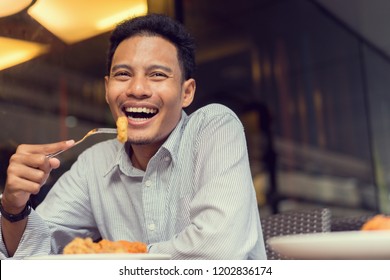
[[156, 141], [139, 142]]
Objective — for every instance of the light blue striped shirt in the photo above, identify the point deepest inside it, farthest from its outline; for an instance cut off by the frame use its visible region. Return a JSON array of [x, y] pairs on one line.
[[195, 200]]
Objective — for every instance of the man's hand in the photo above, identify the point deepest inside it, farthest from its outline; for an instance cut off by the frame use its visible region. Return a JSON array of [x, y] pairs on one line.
[[28, 171]]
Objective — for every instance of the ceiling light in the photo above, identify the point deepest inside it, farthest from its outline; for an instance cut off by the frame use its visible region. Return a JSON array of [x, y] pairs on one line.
[[13, 52], [10, 7], [76, 20]]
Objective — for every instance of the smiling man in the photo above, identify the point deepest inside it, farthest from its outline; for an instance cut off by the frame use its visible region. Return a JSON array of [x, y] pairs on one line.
[[181, 183]]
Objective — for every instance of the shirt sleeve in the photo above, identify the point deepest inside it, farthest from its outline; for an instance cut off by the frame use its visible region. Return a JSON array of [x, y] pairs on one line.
[[225, 222], [64, 214], [67, 209], [35, 240]]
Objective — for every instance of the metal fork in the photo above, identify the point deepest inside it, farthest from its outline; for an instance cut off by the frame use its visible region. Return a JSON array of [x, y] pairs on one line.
[[91, 132]]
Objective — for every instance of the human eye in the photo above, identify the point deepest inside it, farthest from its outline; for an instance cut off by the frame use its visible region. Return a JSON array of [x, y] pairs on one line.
[[158, 75], [121, 75]]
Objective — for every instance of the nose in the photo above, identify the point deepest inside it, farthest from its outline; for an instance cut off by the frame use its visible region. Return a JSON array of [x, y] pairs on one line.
[[138, 88]]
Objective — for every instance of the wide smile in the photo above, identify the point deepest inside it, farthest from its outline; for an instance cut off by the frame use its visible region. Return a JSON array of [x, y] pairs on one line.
[[140, 113]]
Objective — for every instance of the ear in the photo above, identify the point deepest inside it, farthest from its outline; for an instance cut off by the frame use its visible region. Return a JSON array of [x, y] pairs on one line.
[[189, 88], [106, 87]]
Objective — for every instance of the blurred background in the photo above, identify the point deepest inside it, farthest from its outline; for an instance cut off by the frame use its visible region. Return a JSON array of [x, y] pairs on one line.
[[309, 79]]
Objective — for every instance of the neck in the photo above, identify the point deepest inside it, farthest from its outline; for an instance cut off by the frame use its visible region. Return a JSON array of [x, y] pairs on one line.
[[140, 156]]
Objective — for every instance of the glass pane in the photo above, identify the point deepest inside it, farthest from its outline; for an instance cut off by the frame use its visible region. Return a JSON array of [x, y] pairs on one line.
[[305, 73]]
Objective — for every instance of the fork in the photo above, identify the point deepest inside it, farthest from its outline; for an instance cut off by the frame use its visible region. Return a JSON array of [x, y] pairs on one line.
[[91, 132]]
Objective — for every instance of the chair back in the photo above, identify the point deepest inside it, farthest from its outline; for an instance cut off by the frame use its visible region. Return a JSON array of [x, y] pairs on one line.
[[294, 222]]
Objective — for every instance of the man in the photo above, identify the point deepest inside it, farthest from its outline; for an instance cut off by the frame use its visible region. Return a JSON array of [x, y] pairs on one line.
[[181, 184]]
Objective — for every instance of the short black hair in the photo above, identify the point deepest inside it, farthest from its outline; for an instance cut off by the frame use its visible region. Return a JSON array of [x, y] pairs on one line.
[[157, 25]]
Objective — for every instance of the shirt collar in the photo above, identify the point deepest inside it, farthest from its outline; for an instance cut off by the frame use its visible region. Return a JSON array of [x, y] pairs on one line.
[[171, 145], [121, 155]]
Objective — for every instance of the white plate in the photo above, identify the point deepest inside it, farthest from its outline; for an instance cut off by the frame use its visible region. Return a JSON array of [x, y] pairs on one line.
[[334, 245], [118, 256]]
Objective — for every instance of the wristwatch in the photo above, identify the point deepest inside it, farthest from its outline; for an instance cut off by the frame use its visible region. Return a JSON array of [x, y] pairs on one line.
[[16, 217]]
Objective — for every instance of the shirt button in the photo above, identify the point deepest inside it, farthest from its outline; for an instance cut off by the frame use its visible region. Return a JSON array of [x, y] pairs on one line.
[[167, 159], [152, 227], [148, 183]]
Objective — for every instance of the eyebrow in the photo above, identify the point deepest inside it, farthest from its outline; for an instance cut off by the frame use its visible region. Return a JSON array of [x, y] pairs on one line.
[[158, 66], [149, 68], [118, 66]]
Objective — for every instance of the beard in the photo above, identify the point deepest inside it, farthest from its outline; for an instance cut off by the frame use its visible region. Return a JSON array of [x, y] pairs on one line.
[[139, 142], [159, 139]]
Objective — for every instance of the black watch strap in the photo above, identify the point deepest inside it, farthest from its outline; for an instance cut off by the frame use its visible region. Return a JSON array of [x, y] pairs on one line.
[[16, 217]]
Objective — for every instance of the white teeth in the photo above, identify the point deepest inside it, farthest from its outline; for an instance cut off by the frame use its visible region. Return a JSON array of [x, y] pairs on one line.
[[138, 119], [141, 110]]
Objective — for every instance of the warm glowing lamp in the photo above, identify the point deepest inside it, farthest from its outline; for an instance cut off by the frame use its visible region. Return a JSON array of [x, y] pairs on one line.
[[13, 51], [76, 20], [10, 7]]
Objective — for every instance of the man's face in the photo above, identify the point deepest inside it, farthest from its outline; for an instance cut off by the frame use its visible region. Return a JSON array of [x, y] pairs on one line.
[[146, 85]]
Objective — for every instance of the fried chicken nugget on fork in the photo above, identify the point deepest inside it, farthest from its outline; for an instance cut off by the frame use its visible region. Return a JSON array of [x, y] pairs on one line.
[[121, 124]]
